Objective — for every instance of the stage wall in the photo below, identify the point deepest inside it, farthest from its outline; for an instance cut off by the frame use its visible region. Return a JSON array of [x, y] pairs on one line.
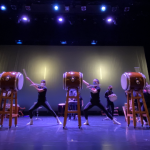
[[50, 62]]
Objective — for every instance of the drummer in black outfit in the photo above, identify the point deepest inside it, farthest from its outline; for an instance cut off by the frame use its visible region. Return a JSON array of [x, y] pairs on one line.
[[41, 100], [146, 93], [95, 101], [110, 104]]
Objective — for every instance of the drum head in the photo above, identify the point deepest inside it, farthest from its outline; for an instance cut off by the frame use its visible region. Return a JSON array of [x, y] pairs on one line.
[[113, 97], [20, 81], [124, 82]]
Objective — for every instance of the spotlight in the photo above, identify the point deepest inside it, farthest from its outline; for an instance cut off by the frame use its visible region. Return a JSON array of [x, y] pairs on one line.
[[83, 8], [109, 20], [93, 42], [103, 8], [24, 19], [60, 19], [18, 42], [56, 7], [63, 42], [3, 7]]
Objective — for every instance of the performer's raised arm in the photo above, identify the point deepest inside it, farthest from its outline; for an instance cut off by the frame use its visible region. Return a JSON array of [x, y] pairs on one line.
[[35, 85], [91, 87]]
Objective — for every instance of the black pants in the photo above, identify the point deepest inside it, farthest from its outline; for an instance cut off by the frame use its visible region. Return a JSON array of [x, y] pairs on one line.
[[110, 107], [38, 104], [89, 105], [143, 109]]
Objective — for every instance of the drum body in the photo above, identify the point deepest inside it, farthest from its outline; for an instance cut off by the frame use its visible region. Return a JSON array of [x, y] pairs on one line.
[[72, 80], [61, 109], [133, 81], [11, 81]]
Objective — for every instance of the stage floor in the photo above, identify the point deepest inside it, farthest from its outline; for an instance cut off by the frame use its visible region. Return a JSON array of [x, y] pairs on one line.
[[45, 134]]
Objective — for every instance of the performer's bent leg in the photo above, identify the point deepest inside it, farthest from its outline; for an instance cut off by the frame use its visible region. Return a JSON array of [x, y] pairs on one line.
[[104, 110], [47, 106], [88, 106], [144, 118], [112, 108], [32, 108], [107, 113], [108, 106]]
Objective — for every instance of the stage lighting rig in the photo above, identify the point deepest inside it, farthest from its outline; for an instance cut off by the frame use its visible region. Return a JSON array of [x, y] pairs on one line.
[[126, 9], [14, 7]]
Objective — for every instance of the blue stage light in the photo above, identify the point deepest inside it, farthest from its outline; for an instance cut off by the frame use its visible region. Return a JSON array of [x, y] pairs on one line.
[[3, 7], [19, 42], [63, 42], [25, 18], [60, 19], [93, 42], [56, 7], [103, 8]]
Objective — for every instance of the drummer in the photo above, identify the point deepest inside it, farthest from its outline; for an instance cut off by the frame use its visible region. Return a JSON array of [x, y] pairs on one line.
[[41, 100], [95, 101], [146, 93], [110, 104]]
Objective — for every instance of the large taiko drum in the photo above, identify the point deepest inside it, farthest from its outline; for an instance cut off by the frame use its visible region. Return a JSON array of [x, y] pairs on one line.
[[72, 80], [11, 81], [133, 81]]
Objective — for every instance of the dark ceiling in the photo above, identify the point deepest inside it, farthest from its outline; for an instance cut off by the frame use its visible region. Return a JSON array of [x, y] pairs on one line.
[[79, 27]]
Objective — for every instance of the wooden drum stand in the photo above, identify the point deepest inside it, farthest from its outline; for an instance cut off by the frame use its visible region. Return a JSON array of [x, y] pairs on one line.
[[134, 112], [72, 111], [3, 111]]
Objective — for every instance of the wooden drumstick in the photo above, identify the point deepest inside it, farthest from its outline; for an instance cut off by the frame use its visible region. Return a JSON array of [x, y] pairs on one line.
[[35, 84], [86, 82], [25, 72]]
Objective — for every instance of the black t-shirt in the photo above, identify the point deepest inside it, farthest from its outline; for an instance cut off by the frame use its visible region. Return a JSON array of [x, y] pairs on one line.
[[107, 93], [95, 96], [42, 95]]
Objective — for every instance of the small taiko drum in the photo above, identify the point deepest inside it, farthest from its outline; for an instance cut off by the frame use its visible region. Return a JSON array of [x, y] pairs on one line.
[[61, 109], [113, 97], [11, 81], [72, 80], [133, 81]]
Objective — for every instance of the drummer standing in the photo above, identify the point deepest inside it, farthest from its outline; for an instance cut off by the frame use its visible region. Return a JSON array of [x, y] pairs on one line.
[[110, 104], [41, 100], [95, 101]]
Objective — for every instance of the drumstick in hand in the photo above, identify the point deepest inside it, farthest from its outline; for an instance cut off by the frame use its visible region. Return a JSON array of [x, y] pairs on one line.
[[86, 83], [24, 72], [27, 76]]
